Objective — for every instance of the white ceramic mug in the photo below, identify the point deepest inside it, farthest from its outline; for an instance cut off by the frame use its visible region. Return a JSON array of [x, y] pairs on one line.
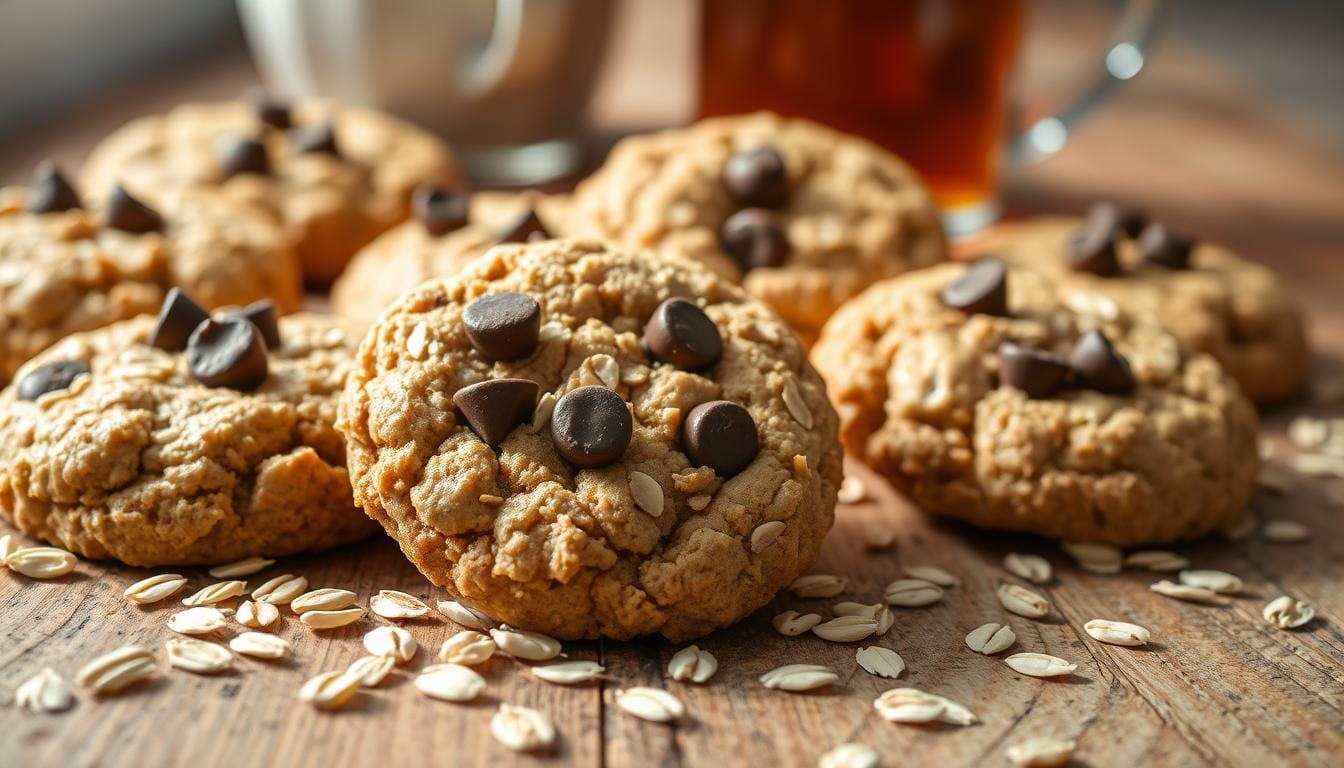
[[506, 81]]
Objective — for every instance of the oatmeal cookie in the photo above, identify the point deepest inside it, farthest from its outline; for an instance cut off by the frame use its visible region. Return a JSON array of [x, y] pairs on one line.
[[334, 176], [590, 442], [805, 215], [983, 395]]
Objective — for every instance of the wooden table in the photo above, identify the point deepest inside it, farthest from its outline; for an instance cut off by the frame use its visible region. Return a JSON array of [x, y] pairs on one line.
[[1216, 686]]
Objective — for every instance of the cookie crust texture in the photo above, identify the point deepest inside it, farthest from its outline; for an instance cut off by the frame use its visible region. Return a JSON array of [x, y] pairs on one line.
[[568, 552], [855, 214], [138, 462], [915, 385]]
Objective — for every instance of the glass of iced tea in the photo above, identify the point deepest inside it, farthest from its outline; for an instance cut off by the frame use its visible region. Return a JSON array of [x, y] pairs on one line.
[[928, 79]]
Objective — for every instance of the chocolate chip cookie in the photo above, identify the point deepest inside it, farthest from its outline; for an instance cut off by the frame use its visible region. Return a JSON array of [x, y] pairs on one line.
[[1231, 308], [65, 267], [187, 439], [588, 442], [448, 229], [982, 394], [806, 216], [334, 176]]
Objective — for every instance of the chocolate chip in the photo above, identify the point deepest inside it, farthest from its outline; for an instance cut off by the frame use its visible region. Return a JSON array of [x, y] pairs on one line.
[[720, 435], [126, 213], [263, 315], [51, 377], [493, 408], [981, 289], [238, 154], [1130, 221], [51, 193], [682, 334], [527, 228], [228, 352], [270, 111], [440, 209], [757, 178], [1092, 248], [315, 138], [755, 238], [1099, 366], [1034, 371], [1165, 248], [503, 326], [178, 317], [591, 427]]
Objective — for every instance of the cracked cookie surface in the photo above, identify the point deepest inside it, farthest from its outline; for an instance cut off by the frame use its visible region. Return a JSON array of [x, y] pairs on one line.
[[523, 535]]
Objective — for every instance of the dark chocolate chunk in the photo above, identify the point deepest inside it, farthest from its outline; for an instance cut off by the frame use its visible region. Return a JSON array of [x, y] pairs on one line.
[[527, 228], [315, 138], [269, 111], [755, 237], [1092, 248], [51, 377], [591, 427], [51, 192], [228, 352], [440, 209], [503, 326], [1130, 221], [263, 315], [720, 435], [239, 154], [1160, 246], [178, 317], [757, 178], [1034, 371], [1099, 366], [981, 289], [126, 213], [493, 408], [682, 334]]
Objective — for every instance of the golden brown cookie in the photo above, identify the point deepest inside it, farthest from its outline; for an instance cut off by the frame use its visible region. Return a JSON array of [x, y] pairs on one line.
[[1060, 435], [70, 270], [806, 215], [334, 176], [640, 496]]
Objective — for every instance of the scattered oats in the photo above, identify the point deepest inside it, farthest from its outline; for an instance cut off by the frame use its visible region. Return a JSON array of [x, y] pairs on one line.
[[396, 606], [326, 599], [933, 574], [879, 537], [1040, 665], [1033, 568], [910, 705], [201, 620], [281, 590], [371, 670], [1095, 558], [1182, 591], [817, 585], [467, 647], [851, 491], [698, 502], [652, 704], [799, 677], [569, 672], [490, 499], [116, 671], [1285, 531], [522, 729], [418, 341], [1285, 612], [846, 629], [330, 690], [316, 619], [793, 400], [197, 655], [241, 568], [766, 534], [391, 641], [882, 662], [692, 663], [792, 623], [912, 593], [647, 492], [878, 612], [542, 415], [216, 593], [8, 546], [1158, 560], [465, 615], [450, 682], [155, 588], [257, 615], [532, 646], [1216, 581], [41, 562], [1041, 752], [849, 755], [260, 645], [1117, 632], [1023, 601], [991, 638], [44, 692], [1323, 465]]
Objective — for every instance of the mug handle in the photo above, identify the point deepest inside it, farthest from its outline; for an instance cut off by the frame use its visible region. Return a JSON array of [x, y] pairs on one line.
[[1126, 56], [525, 39]]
